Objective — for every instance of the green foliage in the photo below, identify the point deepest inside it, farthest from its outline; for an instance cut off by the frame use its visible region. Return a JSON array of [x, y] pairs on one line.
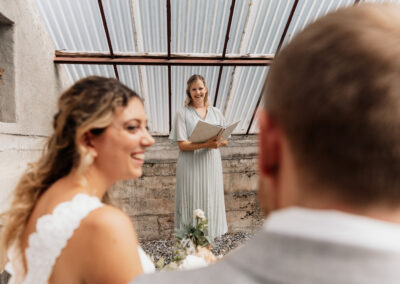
[[197, 233], [189, 238]]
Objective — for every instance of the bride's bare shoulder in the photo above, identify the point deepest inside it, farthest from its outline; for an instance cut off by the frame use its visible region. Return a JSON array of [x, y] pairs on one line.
[[109, 244], [108, 221]]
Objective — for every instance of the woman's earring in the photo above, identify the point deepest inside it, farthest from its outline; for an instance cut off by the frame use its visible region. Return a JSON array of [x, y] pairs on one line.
[[86, 161]]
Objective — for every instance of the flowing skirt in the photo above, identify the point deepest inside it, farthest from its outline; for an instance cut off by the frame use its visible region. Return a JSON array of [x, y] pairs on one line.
[[199, 185]]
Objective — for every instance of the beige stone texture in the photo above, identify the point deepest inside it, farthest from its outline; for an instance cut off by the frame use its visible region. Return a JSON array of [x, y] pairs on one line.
[[150, 199]]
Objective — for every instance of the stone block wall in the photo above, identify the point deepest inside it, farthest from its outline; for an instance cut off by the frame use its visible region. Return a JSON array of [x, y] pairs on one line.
[[149, 200]]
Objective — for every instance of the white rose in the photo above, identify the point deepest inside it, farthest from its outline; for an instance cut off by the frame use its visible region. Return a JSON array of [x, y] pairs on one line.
[[192, 262], [199, 214]]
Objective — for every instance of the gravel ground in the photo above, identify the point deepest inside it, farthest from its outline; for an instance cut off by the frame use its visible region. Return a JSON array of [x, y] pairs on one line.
[[223, 245]]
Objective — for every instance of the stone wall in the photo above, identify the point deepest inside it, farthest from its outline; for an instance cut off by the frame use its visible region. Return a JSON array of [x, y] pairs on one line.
[[149, 200]]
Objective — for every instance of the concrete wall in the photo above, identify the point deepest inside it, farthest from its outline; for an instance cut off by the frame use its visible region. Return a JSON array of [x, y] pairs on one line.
[[38, 82], [150, 200]]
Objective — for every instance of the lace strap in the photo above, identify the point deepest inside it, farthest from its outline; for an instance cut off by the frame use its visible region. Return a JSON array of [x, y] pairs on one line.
[[52, 234]]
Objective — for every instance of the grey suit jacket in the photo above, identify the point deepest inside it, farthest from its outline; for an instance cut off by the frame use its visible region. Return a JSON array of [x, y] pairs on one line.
[[278, 258]]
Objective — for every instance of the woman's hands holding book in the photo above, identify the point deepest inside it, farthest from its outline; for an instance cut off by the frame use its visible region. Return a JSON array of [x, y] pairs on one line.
[[214, 142]]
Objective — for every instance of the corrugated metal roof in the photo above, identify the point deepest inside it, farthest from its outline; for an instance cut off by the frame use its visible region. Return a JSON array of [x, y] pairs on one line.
[[120, 24], [150, 18], [246, 86], [78, 71], [73, 24], [308, 11], [197, 27], [261, 25]]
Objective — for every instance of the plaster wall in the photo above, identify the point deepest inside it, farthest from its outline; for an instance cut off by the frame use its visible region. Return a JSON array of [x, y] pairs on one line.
[[38, 82]]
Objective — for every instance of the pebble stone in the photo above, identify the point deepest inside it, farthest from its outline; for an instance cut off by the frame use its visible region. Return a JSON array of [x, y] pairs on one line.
[[222, 246]]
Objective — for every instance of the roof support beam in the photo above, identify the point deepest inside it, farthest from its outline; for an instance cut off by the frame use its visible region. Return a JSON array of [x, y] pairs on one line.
[[228, 29], [277, 51], [169, 98], [287, 26], [161, 60], [103, 18], [218, 83], [169, 27], [169, 65]]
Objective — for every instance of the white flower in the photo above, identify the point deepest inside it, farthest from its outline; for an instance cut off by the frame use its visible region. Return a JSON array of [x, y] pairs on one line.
[[192, 262], [199, 214]]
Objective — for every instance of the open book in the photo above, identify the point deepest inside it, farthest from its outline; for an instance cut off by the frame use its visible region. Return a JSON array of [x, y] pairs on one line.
[[204, 131]]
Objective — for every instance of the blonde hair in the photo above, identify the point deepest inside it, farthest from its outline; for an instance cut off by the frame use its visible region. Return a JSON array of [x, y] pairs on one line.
[[88, 105], [192, 79]]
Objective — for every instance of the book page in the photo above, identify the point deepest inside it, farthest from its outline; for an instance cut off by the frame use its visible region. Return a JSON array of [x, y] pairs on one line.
[[229, 129], [204, 131]]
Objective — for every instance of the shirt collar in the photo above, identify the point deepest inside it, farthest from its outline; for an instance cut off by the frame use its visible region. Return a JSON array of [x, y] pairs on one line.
[[335, 226]]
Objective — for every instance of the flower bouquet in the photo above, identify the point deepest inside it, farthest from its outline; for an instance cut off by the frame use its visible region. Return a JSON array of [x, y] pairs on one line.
[[192, 249]]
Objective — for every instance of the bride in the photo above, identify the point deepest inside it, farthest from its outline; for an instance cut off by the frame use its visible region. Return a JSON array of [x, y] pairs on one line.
[[61, 227]]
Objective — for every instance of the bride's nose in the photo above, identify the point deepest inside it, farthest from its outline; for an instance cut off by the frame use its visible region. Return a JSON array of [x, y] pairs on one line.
[[147, 140]]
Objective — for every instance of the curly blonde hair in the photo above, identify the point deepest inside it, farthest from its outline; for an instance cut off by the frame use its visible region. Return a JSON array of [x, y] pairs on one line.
[[192, 79], [88, 105]]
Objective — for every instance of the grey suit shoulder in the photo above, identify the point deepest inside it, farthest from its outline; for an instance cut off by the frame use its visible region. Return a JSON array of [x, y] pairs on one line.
[[278, 258]]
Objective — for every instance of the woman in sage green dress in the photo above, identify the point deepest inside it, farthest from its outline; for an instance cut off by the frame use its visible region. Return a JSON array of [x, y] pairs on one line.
[[199, 182]]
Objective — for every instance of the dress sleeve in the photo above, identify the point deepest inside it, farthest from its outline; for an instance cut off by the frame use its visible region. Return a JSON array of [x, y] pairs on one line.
[[178, 132], [220, 117]]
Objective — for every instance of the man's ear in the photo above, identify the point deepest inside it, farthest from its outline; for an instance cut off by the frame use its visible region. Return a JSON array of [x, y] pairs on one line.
[[87, 142], [270, 145]]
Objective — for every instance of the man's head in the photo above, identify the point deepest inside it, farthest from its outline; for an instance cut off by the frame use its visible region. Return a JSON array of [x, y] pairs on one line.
[[331, 125]]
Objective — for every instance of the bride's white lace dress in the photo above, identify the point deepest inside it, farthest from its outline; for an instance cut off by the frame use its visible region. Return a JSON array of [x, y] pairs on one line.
[[52, 234]]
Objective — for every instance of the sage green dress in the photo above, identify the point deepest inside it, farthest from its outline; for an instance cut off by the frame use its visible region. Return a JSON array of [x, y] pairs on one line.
[[199, 181]]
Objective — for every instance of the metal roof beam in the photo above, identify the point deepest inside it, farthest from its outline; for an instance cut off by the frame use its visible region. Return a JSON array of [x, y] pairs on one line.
[[169, 27], [132, 60], [169, 99], [287, 26], [103, 18], [169, 65], [218, 83], [228, 29], [277, 51], [63, 53]]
